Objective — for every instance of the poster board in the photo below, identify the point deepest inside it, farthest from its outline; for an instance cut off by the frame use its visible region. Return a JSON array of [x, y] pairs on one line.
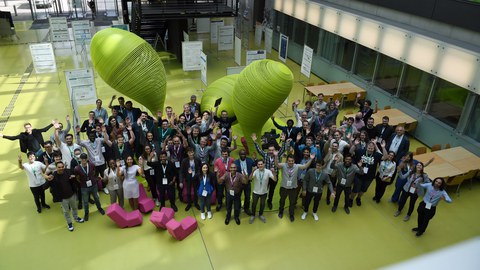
[[203, 70], [225, 38], [82, 32], [283, 48], [191, 51], [306, 61], [58, 29], [256, 55], [214, 24], [203, 25], [238, 51], [268, 40], [81, 86], [43, 58]]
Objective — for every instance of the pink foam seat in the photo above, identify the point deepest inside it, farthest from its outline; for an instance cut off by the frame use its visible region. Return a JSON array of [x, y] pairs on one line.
[[180, 230], [160, 219], [123, 218], [145, 204]]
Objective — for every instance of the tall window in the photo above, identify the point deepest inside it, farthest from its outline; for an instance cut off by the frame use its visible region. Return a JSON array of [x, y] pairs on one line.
[[327, 47], [312, 37], [448, 101], [299, 33], [345, 52], [473, 128], [365, 63], [416, 87], [388, 74]]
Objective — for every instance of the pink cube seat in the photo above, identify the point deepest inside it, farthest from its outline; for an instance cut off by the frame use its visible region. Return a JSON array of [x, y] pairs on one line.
[[145, 204], [180, 230], [160, 219], [123, 218]]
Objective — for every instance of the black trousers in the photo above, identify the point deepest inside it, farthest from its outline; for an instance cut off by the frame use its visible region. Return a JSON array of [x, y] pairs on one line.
[[403, 199], [262, 203], [380, 187], [292, 198], [271, 185], [151, 183], [338, 191], [38, 196], [247, 190], [189, 183], [170, 189], [308, 199], [333, 179], [234, 201], [220, 192], [424, 216]]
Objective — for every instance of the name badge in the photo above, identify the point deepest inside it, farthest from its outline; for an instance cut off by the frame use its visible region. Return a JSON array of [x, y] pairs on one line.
[[103, 149], [232, 192], [97, 158], [223, 130], [315, 189], [152, 172], [164, 181], [89, 183], [428, 205], [343, 181], [365, 170], [122, 162], [177, 164], [289, 183], [115, 187], [204, 193], [412, 190]]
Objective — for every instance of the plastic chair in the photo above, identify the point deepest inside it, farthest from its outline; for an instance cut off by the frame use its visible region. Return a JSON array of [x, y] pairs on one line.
[[310, 84], [411, 127], [387, 107], [333, 82], [145, 204], [321, 83], [180, 230], [436, 147], [456, 181], [123, 218], [421, 150], [447, 146]]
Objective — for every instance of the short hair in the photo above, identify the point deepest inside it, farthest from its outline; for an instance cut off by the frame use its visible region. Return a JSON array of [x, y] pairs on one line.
[[69, 135], [371, 118], [260, 160], [320, 161], [290, 156], [121, 98], [29, 153], [83, 156], [91, 112], [350, 119], [48, 142], [347, 155], [386, 117], [308, 102], [144, 112], [57, 154], [60, 162], [163, 153], [128, 102], [27, 124], [368, 102]]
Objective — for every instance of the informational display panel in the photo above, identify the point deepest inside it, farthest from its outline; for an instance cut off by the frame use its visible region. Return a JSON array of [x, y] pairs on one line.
[[256, 55], [43, 58], [258, 34], [191, 51], [203, 25], [283, 48], [238, 51], [225, 38], [58, 29], [81, 86], [81, 32], [268, 40], [214, 24], [203, 70], [306, 61]]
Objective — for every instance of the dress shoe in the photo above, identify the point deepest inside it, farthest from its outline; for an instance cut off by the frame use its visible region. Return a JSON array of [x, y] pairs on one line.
[[101, 211], [292, 218], [197, 206], [415, 230], [280, 215], [219, 207], [347, 210], [270, 206], [85, 217], [91, 201], [227, 221], [237, 220], [188, 207], [174, 207], [359, 201], [46, 206], [334, 208]]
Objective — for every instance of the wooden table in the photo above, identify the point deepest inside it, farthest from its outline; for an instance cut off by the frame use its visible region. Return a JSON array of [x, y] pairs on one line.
[[328, 90], [450, 162], [396, 117]]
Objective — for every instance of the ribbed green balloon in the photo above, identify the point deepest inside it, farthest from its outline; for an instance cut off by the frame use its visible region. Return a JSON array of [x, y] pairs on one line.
[[221, 88], [259, 91], [131, 66]]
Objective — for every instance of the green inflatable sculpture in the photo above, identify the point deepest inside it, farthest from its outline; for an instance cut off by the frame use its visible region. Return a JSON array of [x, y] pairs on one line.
[[259, 91], [221, 88], [131, 66]]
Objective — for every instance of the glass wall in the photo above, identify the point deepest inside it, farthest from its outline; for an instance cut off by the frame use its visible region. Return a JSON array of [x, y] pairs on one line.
[[416, 87], [313, 34], [299, 33], [327, 47], [448, 101], [388, 74], [473, 128], [365, 64], [345, 52]]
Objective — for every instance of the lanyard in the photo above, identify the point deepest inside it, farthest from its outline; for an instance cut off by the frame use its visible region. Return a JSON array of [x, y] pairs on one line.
[[164, 133], [289, 132], [176, 150], [260, 176], [204, 182], [432, 194], [225, 163], [164, 168], [346, 171], [317, 176], [83, 169], [290, 171], [120, 149], [70, 149], [33, 170], [232, 180]]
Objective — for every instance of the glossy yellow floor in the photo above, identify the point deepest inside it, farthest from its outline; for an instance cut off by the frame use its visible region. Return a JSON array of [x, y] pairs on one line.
[[370, 237]]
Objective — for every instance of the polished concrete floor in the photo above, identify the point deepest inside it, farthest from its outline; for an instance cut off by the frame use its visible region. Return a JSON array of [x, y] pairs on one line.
[[370, 237]]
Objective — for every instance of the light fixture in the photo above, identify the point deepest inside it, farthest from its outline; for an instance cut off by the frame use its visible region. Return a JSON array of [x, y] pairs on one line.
[[392, 42], [330, 19], [368, 33], [458, 66], [348, 26], [422, 53]]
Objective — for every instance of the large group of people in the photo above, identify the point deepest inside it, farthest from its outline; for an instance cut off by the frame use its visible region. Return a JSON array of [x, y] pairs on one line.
[[189, 155]]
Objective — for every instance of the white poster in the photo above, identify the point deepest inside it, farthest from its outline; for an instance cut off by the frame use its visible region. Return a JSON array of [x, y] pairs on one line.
[[43, 58], [81, 32], [225, 38], [203, 25], [268, 40], [59, 29], [238, 51], [306, 61], [258, 35], [191, 51], [214, 30], [283, 48], [81, 86], [256, 55], [203, 70], [186, 37]]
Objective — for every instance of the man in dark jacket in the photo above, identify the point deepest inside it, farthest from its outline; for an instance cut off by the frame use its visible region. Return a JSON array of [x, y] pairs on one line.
[[31, 139]]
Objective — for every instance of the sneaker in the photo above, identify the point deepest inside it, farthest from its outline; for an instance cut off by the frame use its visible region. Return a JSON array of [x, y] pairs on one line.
[[359, 201], [157, 203], [209, 215], [304, 215], [280, 215], [334, 209], [252, 218], [105, 190], [79, 220], [202, 215], [70, 227], [406, 218], [263, 219], [347, 210], [396, 214], [292, 218], [315, 216], [46, 206], [101, 211]]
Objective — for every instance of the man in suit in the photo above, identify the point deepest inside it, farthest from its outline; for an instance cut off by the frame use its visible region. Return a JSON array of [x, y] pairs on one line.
[[384, 130], [245, 166], [399, 144]]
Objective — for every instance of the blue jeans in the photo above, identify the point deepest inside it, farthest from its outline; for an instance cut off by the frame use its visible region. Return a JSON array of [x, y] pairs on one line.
[[398, 189], [85, 194]]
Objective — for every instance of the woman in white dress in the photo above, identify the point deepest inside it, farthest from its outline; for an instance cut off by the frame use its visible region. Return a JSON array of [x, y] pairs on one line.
[[113, 177], [130, 183]]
